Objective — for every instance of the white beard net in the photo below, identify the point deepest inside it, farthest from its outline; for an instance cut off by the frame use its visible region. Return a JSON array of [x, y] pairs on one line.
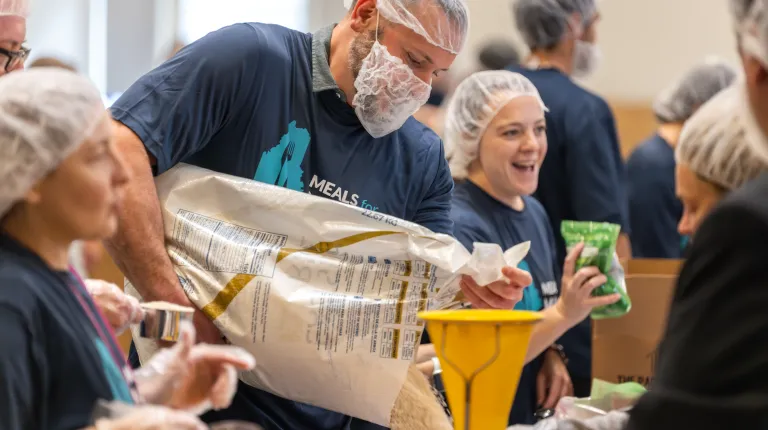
[[388, 92]]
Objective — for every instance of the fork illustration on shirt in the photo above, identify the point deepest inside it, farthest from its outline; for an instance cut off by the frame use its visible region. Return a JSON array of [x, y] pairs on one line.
[[282, 177]]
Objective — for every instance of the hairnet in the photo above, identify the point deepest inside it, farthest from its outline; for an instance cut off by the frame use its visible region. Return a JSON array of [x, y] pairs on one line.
[[678, 102], [45, 114], [751, 20], [543, 23], [475, 103], [443, 23], [714, 142], [14, 7]]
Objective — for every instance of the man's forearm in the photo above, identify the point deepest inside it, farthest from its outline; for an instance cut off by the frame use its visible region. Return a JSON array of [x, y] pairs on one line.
[[138, 247], [552, 326]]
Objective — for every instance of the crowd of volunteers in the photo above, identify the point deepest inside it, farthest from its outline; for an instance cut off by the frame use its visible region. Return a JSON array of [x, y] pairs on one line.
[[503, 156]]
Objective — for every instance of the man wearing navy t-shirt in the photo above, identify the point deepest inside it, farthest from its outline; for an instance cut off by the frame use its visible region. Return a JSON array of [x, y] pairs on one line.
[[326, 113]]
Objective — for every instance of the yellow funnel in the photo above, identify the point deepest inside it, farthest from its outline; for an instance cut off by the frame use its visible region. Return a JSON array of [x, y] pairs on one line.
[[482, 353]]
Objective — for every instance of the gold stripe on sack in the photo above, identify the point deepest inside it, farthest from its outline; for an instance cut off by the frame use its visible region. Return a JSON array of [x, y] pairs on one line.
[[219, 304], [224, 298], [323, 247]]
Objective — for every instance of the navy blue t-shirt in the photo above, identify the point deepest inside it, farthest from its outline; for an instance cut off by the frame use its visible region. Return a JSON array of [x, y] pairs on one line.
[[57, 355], [257, 101], [478, 217], [583, 178], [654, 208]]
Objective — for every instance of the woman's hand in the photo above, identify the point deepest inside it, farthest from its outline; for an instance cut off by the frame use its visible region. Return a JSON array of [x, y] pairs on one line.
[[576, 301], [502, 294], [553, 381], [120, 309], [191, 377]]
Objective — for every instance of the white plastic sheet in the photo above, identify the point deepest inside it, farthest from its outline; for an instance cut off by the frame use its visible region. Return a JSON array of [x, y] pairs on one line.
[[323, 294]]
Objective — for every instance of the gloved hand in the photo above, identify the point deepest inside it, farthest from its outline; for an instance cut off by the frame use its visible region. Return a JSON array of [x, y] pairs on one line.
[[120, 309], [193, 378], [152, 418]]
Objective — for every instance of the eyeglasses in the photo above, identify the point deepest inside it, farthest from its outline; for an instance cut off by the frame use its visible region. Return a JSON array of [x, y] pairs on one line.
[[14, 58]]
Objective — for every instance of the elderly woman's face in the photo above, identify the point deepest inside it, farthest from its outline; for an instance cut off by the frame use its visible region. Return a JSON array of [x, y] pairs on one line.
[[13, 32], [81, 197], [699, 197]]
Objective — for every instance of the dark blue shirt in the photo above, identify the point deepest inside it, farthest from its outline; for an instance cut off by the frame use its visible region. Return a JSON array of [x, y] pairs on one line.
[[583, 178], [654, 208], [258, 101], [478, 217], [57, 355]]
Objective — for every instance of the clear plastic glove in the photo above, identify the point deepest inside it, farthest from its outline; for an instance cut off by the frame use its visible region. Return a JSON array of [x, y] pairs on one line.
[[152, 418], [498, 283], [120, 309], [193, 378]]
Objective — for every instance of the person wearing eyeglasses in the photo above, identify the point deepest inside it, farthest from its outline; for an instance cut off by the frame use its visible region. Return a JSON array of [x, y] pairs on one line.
[[13, 32]]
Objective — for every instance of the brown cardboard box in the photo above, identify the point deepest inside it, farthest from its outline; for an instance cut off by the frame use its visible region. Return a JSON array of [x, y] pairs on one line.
[[624, 349]]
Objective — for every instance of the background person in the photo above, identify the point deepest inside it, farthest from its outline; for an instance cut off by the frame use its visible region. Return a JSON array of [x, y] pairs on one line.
[[13, 34], [713, 359], [654, 208], [498, 54], [582, 177]]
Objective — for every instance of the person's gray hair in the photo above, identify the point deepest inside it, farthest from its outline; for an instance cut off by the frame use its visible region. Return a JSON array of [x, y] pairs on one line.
[[404, 12], [699, 84], [544, 23], [715, 145]]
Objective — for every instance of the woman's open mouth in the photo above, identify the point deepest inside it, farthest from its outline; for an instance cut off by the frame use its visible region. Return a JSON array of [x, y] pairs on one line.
[[526, 167]]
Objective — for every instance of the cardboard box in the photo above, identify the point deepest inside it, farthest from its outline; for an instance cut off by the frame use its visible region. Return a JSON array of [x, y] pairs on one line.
[[624, 349]]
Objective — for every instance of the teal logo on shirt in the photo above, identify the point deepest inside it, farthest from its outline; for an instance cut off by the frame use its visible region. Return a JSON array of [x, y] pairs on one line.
[[114, 375], [531, 296], [281, 165]]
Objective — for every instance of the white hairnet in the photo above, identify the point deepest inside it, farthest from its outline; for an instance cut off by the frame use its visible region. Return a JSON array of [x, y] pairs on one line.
[[543, 23], [443, 23], [45, 114], [714, 142], [751, 20], [14, 8], [678, 101], [475, 103]]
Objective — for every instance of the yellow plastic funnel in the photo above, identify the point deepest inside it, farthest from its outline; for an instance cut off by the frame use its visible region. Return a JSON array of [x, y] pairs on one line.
[[482, 353]]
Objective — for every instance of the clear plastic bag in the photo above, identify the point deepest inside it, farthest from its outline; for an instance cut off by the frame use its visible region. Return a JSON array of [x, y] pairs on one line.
[[605, 398]]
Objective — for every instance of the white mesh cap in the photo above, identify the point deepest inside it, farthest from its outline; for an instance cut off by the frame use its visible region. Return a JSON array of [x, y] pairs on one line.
[[45, 114], [681, 99], [474, 104], [443, 23], [714, 142], [751, 21], [543, 23], [14, 8]]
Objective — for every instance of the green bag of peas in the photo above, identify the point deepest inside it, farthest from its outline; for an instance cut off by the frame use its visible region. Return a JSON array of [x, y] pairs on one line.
[[599, 250]]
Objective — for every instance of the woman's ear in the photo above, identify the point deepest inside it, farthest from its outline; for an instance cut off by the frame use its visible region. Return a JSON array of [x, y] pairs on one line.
[[34, 195], [363, 15]]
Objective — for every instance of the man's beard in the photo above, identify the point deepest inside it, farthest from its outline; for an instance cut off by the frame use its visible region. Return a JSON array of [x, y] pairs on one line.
[[360, 49]]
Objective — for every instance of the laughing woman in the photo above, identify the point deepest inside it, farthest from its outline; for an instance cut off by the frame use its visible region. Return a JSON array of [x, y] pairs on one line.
[[496, 138]]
